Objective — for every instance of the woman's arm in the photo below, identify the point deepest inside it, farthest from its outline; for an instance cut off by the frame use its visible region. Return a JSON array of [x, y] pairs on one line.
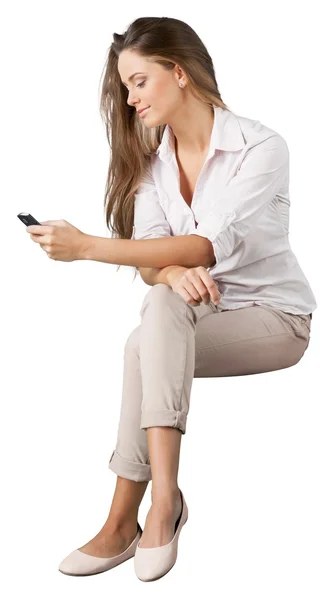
[[185, 250], [151, 276]]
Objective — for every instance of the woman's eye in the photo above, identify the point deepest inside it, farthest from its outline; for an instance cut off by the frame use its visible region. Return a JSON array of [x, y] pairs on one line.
[[141, 84]]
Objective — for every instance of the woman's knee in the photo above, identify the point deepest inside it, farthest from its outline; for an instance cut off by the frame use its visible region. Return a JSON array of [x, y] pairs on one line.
[[132, 342], [160, 293]]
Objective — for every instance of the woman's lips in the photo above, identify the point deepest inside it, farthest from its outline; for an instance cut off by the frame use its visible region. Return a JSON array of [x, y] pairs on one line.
[[143, 112]]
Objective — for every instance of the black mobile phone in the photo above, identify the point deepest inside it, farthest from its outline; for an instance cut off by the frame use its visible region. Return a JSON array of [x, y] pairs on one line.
[[27, 219]]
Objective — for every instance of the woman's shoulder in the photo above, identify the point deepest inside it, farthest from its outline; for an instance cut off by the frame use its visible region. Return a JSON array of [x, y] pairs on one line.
[[254, 130]]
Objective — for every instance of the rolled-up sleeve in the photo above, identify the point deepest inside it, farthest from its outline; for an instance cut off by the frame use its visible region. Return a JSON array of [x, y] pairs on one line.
[[149, 218], [240, 204]]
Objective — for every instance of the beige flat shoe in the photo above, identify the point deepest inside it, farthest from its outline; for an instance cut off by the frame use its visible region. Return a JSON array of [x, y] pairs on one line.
[[152, 563], [79, 563]]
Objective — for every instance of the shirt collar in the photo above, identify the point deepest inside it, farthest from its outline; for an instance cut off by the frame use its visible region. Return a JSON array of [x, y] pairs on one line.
[[226, 135]]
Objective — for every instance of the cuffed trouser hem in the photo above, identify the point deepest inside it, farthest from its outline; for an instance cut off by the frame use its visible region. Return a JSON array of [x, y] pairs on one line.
[[166, 418], [129, 469]]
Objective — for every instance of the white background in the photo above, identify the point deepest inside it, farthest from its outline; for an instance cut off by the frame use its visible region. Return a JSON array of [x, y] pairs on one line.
[[257, 464]]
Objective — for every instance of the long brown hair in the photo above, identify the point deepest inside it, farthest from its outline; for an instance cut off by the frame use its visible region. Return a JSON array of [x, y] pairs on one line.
[[168, 42]]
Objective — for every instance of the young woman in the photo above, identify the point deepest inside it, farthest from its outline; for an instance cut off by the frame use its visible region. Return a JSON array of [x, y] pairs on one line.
[[200, 203]]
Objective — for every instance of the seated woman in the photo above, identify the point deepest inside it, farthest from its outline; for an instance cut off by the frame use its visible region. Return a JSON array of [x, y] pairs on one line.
[[200, 204]]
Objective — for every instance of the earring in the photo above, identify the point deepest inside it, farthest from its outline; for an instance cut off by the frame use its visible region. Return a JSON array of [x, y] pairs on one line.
[[181, 84]]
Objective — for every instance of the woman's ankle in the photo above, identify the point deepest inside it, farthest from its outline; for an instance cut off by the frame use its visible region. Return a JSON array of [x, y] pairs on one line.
[[166, 498], [123, 525]]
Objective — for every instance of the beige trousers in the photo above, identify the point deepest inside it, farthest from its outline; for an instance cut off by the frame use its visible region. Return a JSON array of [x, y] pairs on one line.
[[176, 342]]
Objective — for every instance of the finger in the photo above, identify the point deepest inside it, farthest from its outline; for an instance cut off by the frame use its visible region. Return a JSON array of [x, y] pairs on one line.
[[193, 302], [188, 299], [192, 291], [36, 238], [194, 277], [38, 229], [200, 287], [211, 286]]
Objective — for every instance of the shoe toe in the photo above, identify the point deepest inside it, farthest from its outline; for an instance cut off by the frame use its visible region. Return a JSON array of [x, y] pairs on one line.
[[152, 563], [79, 563]]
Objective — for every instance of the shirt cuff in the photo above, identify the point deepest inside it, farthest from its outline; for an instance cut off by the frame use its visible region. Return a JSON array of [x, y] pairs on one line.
[[214, 228]]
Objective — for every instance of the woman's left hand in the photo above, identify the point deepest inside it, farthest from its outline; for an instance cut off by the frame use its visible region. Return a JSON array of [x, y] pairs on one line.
[[59, 239]]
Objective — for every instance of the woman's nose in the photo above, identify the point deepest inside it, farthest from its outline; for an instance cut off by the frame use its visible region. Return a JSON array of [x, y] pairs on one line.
[[132, 99]]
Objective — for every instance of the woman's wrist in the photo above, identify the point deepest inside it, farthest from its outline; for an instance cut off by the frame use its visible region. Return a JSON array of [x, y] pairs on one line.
[[171, 271]]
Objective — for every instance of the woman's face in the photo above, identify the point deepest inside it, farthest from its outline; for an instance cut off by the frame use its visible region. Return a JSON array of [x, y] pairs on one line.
[[152, 87]]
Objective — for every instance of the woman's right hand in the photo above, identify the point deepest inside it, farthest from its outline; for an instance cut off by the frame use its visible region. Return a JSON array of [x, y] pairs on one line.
[[194, 285]]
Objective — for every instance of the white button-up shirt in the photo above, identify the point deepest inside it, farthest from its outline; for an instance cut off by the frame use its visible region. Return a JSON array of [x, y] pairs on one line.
[[241, 204]]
